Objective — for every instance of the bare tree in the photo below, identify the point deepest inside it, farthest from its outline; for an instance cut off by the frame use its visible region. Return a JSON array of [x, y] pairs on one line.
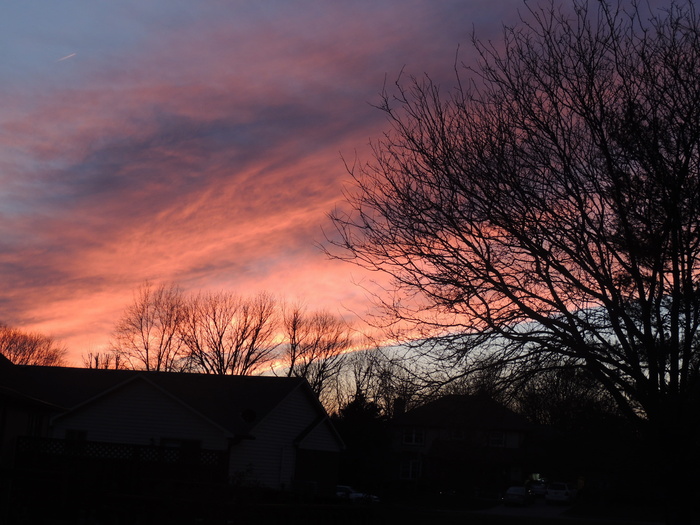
[[147, 335], [228, 334], [31, 348], [550, 205], [381, 376], [314, 346], [109, 360], [559, 397]]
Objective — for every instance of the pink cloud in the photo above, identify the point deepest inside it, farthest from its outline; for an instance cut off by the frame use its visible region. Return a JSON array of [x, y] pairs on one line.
[[208, 154]]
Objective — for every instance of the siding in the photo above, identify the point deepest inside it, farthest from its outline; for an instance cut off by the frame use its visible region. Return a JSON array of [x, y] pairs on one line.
[[270, 458], [139, 413], [321, 438]]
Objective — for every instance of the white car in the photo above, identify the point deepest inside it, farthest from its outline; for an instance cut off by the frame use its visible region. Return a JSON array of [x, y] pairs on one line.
[[349, 493], [560, 493]]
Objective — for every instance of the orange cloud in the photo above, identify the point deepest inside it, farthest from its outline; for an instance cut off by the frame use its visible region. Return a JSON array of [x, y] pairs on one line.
[[203, 150]]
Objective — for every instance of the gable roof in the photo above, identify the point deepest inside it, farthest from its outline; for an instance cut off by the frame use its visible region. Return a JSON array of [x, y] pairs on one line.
[[235, 403], [19, 399], [463, 411]]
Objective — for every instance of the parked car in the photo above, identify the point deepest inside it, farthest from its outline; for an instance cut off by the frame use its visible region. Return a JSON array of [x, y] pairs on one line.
[[350, 494], [517, 495], [558, 492]]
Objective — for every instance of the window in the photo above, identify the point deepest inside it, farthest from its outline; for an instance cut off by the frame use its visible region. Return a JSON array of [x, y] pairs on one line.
[[411, 469], [497, 439], [413, 436], [456, 434]]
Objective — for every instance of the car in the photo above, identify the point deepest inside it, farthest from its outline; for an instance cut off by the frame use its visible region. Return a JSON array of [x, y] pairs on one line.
[[517, 495], [558, 492], [348, 493], [538, 488]]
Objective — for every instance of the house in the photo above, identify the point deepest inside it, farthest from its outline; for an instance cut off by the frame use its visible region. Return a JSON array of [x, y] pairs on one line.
[[124, 426], [460, 442]]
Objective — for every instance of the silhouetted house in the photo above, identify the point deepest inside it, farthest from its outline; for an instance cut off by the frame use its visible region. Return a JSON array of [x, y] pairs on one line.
[[460, 442], [133, 427]]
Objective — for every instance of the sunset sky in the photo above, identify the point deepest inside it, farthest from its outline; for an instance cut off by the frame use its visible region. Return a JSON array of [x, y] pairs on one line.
[[196, 142]]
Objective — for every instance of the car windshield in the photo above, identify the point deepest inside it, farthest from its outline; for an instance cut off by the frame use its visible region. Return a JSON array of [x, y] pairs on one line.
[[557, 486]]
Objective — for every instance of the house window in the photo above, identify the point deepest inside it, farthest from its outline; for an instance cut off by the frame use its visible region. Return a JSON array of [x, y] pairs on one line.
[[497, 439], [456, 434], [413, 436], [411, 469]]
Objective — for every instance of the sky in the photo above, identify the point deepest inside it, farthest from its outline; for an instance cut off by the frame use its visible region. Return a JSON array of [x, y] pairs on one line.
[[200, 143]]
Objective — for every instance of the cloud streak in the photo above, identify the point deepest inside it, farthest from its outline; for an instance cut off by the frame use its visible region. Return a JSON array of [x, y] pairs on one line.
[[205, 149]]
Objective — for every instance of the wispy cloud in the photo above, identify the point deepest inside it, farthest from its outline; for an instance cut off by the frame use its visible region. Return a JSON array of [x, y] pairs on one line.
[[205, 150]]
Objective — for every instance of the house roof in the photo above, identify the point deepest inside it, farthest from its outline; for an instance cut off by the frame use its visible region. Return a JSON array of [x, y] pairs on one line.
[[235, 403], [463, 411]]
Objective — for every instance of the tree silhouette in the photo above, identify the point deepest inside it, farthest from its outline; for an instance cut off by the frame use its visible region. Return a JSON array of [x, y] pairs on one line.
[[147, 335], [314, 344], [30, 348], [547, 210], [228, 334]]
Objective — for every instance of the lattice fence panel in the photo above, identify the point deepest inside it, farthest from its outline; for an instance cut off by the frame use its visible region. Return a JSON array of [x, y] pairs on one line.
[[59, 448]]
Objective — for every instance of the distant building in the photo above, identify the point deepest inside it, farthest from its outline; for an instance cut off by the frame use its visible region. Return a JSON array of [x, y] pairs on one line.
[[460, 441]]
